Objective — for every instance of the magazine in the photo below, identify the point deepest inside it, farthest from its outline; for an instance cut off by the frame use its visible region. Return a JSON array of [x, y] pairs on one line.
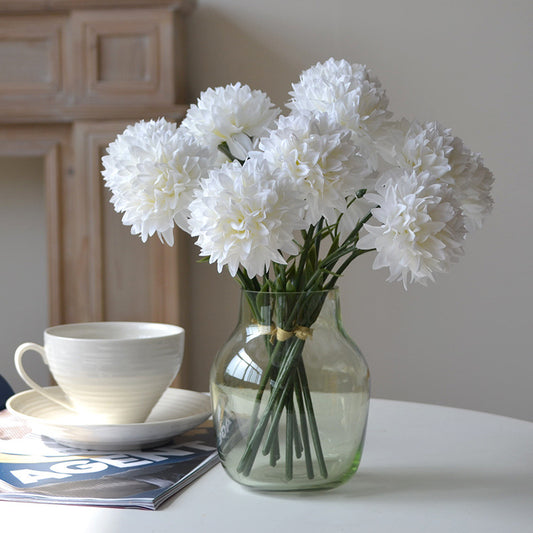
[[34, 468]]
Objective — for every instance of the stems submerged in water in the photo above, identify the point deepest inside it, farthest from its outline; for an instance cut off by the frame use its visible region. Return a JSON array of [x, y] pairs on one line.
[[284, 310], [286, 376]]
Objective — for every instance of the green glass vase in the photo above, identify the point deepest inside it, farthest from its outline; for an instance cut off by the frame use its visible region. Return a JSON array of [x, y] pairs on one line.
[[290, 394]]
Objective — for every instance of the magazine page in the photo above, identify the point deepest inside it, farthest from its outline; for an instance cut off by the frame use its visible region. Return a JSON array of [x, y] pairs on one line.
[[36, 468]]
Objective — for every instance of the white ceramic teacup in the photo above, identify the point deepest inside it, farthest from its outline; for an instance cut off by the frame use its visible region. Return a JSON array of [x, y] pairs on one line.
[[110, 372]]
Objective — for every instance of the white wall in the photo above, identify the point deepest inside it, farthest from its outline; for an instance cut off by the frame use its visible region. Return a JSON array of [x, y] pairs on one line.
[[466, 340]]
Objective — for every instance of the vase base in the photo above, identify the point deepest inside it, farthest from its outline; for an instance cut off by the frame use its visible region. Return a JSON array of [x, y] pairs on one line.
[[267, 478]]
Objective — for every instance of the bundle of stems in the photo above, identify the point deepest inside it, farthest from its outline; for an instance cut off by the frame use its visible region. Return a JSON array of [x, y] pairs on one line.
[[285, 307]]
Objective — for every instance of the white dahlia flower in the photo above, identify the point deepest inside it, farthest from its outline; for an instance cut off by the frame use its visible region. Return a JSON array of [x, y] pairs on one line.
[[234, 114], [420, 228], [432, 148], [244, 217], [152, 172], [472, 184], [424, 147], [352, 95], [319, 159]]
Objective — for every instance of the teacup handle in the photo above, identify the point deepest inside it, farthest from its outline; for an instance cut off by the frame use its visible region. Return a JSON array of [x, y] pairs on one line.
[[19, 352]]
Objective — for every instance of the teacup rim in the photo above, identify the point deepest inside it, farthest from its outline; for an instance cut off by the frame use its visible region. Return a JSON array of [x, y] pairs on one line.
[[171, 330]]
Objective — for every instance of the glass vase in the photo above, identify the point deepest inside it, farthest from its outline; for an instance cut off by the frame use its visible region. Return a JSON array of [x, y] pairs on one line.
[[290, 394]]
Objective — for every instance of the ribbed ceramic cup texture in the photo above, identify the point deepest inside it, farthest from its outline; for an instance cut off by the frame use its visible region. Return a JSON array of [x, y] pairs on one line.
[[111, 372]]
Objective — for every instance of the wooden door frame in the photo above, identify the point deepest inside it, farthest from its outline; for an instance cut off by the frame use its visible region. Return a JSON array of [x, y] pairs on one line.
[[52, 145]]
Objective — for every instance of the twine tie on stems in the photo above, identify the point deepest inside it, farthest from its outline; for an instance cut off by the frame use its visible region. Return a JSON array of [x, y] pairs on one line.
[[301, 332]]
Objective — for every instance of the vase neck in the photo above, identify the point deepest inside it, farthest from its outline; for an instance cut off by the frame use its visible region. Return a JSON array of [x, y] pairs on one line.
[[288, 311]]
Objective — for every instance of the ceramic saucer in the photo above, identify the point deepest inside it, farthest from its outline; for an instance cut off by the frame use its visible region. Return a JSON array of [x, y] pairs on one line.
[[177, 411]]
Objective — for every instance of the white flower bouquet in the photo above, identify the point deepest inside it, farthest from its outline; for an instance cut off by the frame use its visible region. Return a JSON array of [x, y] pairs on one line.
[[287, 202]]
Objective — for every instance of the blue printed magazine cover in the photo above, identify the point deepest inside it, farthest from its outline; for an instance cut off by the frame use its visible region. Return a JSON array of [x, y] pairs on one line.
[[35, 468]]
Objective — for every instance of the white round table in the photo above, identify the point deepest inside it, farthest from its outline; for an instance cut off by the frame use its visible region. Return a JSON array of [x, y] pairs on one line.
[[425, 468]]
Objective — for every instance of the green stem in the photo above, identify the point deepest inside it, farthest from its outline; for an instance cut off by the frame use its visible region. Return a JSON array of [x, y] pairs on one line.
[[265, 379], [305, 432], [289, 439], [342, 268], [312, 421], [308, 242], [278, 392], [298, 447], [274, 453], [278, 410]]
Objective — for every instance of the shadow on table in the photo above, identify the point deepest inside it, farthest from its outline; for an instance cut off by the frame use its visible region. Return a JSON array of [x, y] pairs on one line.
[[423, 483]]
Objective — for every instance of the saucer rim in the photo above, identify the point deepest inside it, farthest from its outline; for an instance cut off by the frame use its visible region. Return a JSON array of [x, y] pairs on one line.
[[55, 388], [111, 436]]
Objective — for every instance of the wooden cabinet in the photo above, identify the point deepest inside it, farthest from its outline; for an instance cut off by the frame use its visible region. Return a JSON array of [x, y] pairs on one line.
[[66, 66], [73, 74]]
